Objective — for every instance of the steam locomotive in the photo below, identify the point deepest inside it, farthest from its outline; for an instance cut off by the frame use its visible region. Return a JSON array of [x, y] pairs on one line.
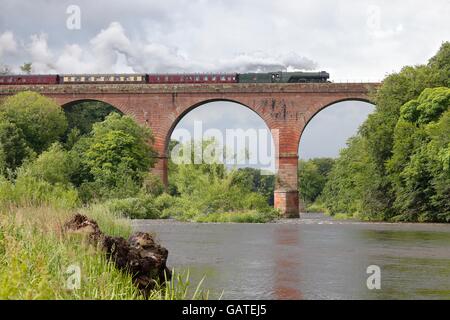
[[270, 77]]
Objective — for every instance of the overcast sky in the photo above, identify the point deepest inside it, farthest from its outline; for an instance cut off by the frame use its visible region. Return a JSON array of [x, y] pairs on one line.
[[351, 39]]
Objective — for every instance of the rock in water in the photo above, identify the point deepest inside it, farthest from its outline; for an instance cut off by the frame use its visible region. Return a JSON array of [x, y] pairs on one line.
[[140, 255]]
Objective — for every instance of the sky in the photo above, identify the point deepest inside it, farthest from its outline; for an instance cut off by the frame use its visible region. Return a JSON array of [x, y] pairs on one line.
[[354, 40]]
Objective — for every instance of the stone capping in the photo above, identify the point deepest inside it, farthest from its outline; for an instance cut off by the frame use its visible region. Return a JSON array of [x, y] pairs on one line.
[[191, 88]]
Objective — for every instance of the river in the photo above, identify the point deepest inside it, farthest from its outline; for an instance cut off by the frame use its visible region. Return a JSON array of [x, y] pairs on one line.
[[314, 257]]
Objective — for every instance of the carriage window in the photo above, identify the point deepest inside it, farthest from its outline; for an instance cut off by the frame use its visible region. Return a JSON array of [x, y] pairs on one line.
[[197, 78], [205, 78], [214, 78], [222, 78]]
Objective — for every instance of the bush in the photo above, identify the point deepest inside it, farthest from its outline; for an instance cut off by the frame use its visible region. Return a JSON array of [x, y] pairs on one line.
[[53, 166], [114, 160], [238, 217], [135, 208], [151, 184], [41, 120]]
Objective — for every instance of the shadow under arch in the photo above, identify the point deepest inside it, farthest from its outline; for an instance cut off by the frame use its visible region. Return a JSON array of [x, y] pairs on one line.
[[76, 102], [202, 103], [82, 114], [368, 101]]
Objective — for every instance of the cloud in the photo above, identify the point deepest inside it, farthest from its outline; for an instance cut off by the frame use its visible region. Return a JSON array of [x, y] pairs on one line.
[[7, 43], [111, 50]]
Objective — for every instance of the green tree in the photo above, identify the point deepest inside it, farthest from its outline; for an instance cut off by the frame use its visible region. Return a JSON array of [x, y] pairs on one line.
[[27, 67], [312, 177], [416, 168], [53, 166], [82, 116], [39, 118], [114, 159], [13, 146], [378, 131], [257, 181], [395, 168]]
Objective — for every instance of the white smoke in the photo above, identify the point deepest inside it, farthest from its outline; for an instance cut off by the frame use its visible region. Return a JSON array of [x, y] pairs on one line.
[[263, 62], [40, 54], [111, 50], [7, 43]]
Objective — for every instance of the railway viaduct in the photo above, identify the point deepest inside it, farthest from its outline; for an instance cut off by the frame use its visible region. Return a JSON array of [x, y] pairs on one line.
[[285, 108]]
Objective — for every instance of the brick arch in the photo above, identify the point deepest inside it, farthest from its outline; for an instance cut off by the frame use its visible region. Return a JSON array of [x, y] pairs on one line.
[[316, 109], [187, 109]]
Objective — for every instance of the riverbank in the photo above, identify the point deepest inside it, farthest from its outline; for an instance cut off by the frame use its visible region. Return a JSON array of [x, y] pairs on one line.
[[305, 218], [39, 261]]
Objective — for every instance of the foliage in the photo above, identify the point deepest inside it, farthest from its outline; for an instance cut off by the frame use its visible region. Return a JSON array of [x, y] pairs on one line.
[[257, 181], [114, 160], [418, 168], [312, 176], [27, 67], [40, 119], [395, 168], [29, 191], [82, 116], [344, 192], [208, 190], [142, 207], [13, 147], [53, 166], [237, 217]]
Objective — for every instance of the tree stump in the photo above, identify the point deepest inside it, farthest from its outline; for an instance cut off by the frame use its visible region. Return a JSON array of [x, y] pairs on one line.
[[140, 255]]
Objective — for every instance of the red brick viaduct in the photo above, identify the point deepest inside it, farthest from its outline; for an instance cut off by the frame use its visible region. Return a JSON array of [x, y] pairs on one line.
[[284, 107]]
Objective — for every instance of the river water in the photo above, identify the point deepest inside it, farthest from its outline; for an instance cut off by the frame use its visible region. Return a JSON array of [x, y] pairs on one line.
[[314, 257]]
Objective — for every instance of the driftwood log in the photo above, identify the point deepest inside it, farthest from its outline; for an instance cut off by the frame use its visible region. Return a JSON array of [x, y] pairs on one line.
[[140, 255]]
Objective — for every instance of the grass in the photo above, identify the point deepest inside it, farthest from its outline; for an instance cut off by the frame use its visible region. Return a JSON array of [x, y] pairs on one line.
[[236, 217], [35, 255], [316, 207]]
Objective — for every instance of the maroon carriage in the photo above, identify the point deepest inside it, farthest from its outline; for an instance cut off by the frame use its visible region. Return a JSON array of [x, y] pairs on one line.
[[28, 79]]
